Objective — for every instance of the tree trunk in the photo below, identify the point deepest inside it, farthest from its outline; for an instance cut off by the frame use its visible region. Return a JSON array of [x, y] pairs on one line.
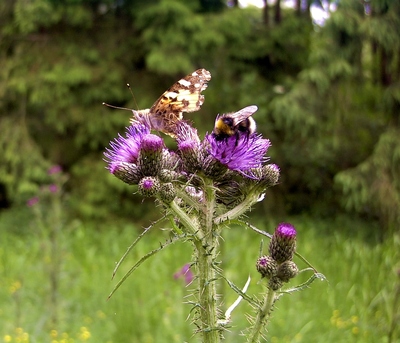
[[383, 67], [266, 13], [298, 8], [278, 13]]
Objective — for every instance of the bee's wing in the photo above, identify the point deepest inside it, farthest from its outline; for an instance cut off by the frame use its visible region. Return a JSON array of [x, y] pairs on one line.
[[243, 114]]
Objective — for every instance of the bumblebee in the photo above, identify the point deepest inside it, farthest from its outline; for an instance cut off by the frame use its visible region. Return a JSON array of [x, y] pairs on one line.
[[236, 123]]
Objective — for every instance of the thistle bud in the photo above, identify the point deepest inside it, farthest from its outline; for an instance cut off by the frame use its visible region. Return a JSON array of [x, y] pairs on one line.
[[149, 186], [167, 175], [275, 283], [283, 243], [267, 266], [214, 168], [171, 160], [191, 154], [167, 192], [127, 172], [270, 174], [150, 155], [287, 270]]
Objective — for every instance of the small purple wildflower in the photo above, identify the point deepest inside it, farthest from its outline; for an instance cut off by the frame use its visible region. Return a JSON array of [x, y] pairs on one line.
[[53, 188], [54, 170], [239, 153], [186, 273], [125, 149], [32, 201]]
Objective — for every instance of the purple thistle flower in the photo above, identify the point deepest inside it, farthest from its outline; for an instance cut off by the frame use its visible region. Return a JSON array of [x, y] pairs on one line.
[[53, 188], [32, 201], [186, 273], [54, 170], [125, 149], [239, 153], [283, 243]]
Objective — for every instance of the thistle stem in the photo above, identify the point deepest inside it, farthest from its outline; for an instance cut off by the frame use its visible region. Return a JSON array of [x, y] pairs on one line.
[[207, 249], [238, 210], [262, 316], [188, 222]]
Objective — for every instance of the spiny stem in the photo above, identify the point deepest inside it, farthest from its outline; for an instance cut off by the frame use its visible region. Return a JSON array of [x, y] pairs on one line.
[[206, 254], [238, 210], [262, 315]]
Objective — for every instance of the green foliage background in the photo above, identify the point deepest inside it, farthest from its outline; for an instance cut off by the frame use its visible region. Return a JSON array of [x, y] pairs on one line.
[[329, 96]]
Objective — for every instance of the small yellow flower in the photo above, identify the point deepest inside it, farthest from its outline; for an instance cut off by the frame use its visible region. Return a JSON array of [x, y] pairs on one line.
[[355, 330], [15, 286], [100, 314], [19, 331], [7, 338], [53, 333], [64, 335], [84, 334], [354, 319]]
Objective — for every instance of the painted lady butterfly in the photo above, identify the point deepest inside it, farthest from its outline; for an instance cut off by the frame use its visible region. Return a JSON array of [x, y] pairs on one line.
[[183, 96]]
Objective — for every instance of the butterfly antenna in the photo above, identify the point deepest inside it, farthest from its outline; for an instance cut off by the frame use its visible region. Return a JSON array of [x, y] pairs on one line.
[[134, 100], [116, 107]]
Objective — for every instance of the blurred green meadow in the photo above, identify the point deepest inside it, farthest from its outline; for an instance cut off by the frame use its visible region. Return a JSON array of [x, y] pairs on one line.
[[55, 284]]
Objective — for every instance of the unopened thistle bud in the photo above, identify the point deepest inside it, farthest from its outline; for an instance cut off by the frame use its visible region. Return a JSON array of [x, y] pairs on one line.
[[127, 172], [270, 175], [149, 186], [275, 283], [171, 160], [214, 168], [167, 192], [267, 266], [283, 243], [287, 270], [190, 153], [150, 155], [167, 175]]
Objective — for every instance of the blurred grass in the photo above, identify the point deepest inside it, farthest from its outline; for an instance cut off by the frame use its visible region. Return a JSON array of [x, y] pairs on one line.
[[355, 305]]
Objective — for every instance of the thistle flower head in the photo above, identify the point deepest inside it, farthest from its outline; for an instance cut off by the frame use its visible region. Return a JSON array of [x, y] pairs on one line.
[[239, 153], [150, 159], [54, 169], [283, 243], [191, 154], [125, 149]]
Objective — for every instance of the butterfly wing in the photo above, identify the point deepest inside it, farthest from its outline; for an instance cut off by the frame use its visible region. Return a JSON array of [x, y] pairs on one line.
[[183, 96]]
